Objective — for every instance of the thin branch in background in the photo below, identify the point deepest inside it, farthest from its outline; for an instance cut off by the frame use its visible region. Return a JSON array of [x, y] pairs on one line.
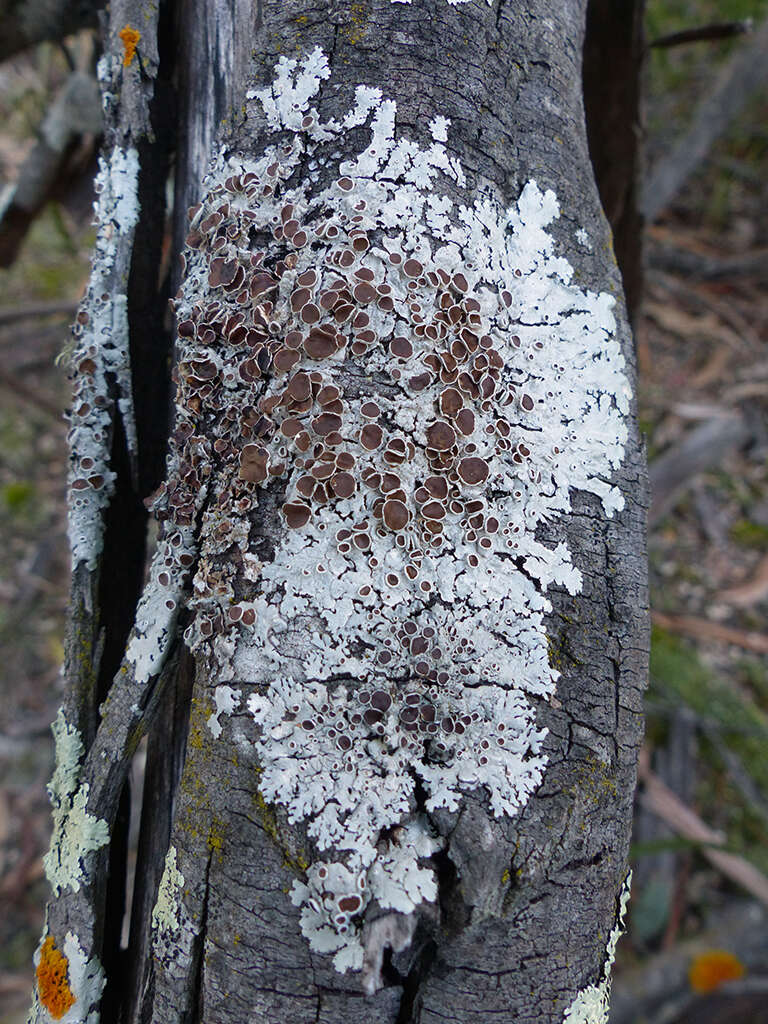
[[701, 449], [74, 115], [705, 629], [675, 260], [660, 799], [703, 33], [25, 23], [738, 775], [31, 396], [37, 310], [742, 76]]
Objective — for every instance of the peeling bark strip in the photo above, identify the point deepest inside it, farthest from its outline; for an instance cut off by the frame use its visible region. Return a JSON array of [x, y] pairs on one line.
[[406, 550]]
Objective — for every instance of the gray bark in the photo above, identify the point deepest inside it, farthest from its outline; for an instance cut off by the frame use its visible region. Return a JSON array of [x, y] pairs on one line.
[[526, 902]]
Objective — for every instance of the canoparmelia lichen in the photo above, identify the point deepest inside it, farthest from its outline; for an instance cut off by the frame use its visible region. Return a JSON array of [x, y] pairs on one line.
[[592, 1004], [156, 615], [76, 833], [408, 388], [173, 933], [68, 984], [165, 913]]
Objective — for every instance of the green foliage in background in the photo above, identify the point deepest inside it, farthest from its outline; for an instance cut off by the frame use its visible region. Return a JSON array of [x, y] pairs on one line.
[[731, 717]]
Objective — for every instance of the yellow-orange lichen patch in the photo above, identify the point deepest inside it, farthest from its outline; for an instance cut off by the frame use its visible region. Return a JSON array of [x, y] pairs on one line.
[[130, 37], [52, 981], [712, 969]]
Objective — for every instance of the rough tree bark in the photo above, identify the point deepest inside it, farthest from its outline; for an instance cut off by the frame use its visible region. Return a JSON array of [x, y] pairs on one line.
[[390, 650]]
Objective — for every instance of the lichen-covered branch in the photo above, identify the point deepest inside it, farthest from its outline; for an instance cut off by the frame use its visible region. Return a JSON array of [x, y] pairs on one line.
[[101, 721], [401, 524], [399, 388], [411, 505]]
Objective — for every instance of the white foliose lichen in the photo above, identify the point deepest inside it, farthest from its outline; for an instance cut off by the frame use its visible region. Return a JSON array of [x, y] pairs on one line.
[[591, 1006], [155, 626], [101, 356], [76, 833], [582, 237], [227, 701], [428, 386]]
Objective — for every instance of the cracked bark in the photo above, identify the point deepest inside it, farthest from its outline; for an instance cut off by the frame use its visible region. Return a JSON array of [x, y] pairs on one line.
[[526, 904]]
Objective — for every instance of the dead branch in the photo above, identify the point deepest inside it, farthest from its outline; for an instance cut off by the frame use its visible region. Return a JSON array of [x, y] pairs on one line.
[[701, 449], [705, 629], [674, 260], [75, 113], [659, 798], [703, 33], [37, 310], [745, 72]]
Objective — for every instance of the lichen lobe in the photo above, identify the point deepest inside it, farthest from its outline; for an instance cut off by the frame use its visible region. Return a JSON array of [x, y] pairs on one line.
[[76, 832]]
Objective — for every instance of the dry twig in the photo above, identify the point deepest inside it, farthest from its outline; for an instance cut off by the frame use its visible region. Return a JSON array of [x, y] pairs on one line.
[[705, 629], [703, 33], [659, 798], [746, 71]]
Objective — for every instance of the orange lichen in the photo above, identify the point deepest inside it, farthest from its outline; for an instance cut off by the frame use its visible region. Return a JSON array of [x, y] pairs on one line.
[[130, 37], [712, 969], [52, 982]]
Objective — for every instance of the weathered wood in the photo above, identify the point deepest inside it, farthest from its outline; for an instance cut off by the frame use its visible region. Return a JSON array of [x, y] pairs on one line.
[[107, 702], [505, 902]]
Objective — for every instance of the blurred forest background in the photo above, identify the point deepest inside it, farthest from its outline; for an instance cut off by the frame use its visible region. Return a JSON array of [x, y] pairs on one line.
[[697, 944]]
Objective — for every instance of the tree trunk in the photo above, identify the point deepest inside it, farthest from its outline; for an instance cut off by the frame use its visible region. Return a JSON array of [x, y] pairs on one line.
[[392, 643]]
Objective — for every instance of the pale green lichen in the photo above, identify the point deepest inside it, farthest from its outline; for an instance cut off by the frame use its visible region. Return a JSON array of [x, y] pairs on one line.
[[76, 833], [173, 930], [165, 914], [591, 1005]]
